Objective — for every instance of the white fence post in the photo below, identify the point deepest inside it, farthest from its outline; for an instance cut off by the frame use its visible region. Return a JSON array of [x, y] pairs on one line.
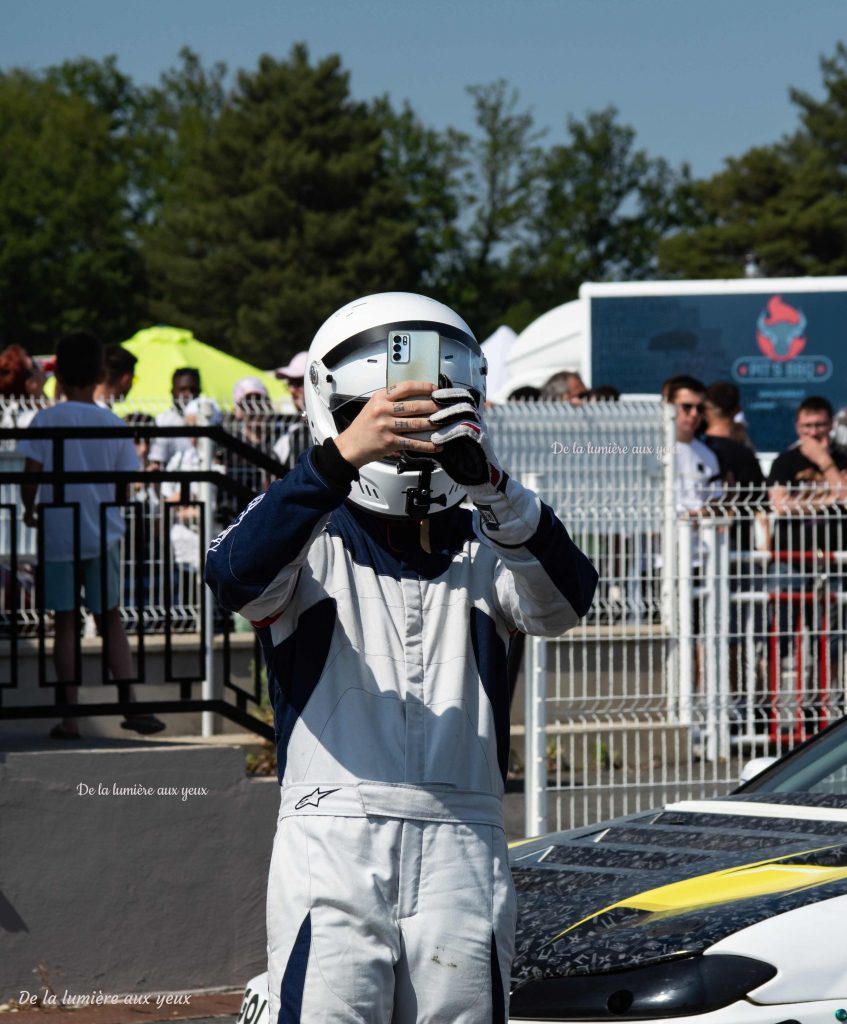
[[211, 688], [684, 635], [715, 638], [709, 638], [670, 567], [723, 639], [535, 775]]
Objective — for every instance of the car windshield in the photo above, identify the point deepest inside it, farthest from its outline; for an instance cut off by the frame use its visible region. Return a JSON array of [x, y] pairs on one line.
[[820, 767]]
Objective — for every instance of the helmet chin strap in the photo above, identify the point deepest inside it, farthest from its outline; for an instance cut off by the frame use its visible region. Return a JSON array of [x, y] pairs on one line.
[[419, 499]]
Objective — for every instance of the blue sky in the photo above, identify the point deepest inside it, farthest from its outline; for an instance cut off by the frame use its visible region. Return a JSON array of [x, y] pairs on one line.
[[699, 80]]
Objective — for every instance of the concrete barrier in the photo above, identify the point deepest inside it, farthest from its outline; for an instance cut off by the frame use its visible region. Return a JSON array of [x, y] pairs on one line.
[[132, 870]]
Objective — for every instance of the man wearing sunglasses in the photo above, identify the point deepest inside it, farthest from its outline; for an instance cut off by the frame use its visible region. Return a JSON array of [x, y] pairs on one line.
[[696, 466], [565, 386], [698, 486]]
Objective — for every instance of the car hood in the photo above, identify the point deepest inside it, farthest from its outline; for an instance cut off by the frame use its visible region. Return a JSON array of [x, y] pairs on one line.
[[670, 883]]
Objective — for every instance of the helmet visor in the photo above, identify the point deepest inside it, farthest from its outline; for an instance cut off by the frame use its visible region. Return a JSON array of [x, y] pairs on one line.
[[359, 366]]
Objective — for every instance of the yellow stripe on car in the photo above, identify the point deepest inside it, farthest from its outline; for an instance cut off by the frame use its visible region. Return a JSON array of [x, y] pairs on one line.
[[515, 843], [761, 878]]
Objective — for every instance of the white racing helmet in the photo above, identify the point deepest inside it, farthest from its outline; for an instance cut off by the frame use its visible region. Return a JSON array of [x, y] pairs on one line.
[[348, 361]]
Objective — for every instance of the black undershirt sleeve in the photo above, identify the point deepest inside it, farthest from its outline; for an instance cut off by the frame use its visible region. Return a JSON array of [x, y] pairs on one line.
[[332, 465]]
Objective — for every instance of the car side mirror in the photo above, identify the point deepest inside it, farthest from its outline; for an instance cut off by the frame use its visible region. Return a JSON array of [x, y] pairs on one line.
[[755, 767]]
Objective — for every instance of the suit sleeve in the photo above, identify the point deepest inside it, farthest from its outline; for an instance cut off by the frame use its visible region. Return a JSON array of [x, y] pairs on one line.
[[252, 566], [543, 583]]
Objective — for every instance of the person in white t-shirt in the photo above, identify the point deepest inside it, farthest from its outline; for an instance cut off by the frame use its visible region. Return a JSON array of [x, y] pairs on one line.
[[185, 539], [698, 480], [185, 386], [79, 368], [697, 470]]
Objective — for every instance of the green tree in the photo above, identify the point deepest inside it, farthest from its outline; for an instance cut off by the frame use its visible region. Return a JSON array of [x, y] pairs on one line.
[[469, 194], [600, 208], [428, 168], [177, 119], [501, 170], [285, 213], [152, 128], [107, 89], [67, 258], [786, 203]]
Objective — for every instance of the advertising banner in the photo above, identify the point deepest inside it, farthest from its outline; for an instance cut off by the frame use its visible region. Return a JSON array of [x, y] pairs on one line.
[[778, 346]]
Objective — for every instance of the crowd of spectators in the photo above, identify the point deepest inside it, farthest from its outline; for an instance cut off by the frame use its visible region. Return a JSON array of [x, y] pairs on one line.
[[717, 468], [713, 447], [165, 514], [714, 455], [713, 451]]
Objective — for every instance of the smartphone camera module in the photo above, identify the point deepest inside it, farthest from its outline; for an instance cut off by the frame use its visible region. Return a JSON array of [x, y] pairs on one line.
[[399, 342]]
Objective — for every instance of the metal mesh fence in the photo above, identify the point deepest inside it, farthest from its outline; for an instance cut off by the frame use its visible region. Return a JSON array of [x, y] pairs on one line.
[[597, 701], [717, 633], [600, 467]]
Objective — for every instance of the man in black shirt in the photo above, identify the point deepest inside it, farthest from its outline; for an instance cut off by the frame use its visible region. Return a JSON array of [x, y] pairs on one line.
[[738, 462], [807, 482], [744, 493], [808, 493]]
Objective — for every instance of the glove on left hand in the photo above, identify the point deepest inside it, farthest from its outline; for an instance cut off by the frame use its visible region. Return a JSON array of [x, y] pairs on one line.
[[508, 513], [467, 456]]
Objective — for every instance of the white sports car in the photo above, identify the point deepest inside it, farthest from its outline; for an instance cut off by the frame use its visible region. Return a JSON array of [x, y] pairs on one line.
[[722, 911]]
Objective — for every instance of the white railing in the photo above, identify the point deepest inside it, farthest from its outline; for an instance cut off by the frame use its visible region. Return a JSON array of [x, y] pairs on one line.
[[715, 636]]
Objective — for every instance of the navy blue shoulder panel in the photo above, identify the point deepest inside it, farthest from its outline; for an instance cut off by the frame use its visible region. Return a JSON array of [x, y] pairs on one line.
[[269, 534], [392, 547], [572, 573], [490, 654], [295, 668]]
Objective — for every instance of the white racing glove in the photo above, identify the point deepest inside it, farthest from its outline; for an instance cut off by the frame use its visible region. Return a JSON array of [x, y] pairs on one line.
[[505, 507], [467, 457]]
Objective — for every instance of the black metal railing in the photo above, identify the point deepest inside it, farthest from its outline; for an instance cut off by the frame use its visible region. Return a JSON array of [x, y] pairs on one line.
[[213, 633]]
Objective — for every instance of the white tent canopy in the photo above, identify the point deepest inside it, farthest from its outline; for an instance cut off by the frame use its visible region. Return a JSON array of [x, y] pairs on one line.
[[556, 341], [496, 349]]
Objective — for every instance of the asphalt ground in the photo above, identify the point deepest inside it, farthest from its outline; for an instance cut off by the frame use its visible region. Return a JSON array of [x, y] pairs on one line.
[[219, 1008]]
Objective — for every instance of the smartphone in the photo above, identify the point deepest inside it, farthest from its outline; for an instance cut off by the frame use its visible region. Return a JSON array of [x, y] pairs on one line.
[[413, 355]]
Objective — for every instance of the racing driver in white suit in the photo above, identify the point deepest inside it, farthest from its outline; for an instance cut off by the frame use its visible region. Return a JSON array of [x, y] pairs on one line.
[[385, 610]]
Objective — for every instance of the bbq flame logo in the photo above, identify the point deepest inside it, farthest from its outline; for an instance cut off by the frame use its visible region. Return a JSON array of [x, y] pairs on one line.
[[780, 331]]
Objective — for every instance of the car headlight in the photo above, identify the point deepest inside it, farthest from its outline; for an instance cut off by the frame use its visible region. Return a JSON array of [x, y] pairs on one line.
[[670, 989]]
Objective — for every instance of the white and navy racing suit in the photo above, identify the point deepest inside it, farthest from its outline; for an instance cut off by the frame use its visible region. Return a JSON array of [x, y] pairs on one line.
[[390, 897]]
